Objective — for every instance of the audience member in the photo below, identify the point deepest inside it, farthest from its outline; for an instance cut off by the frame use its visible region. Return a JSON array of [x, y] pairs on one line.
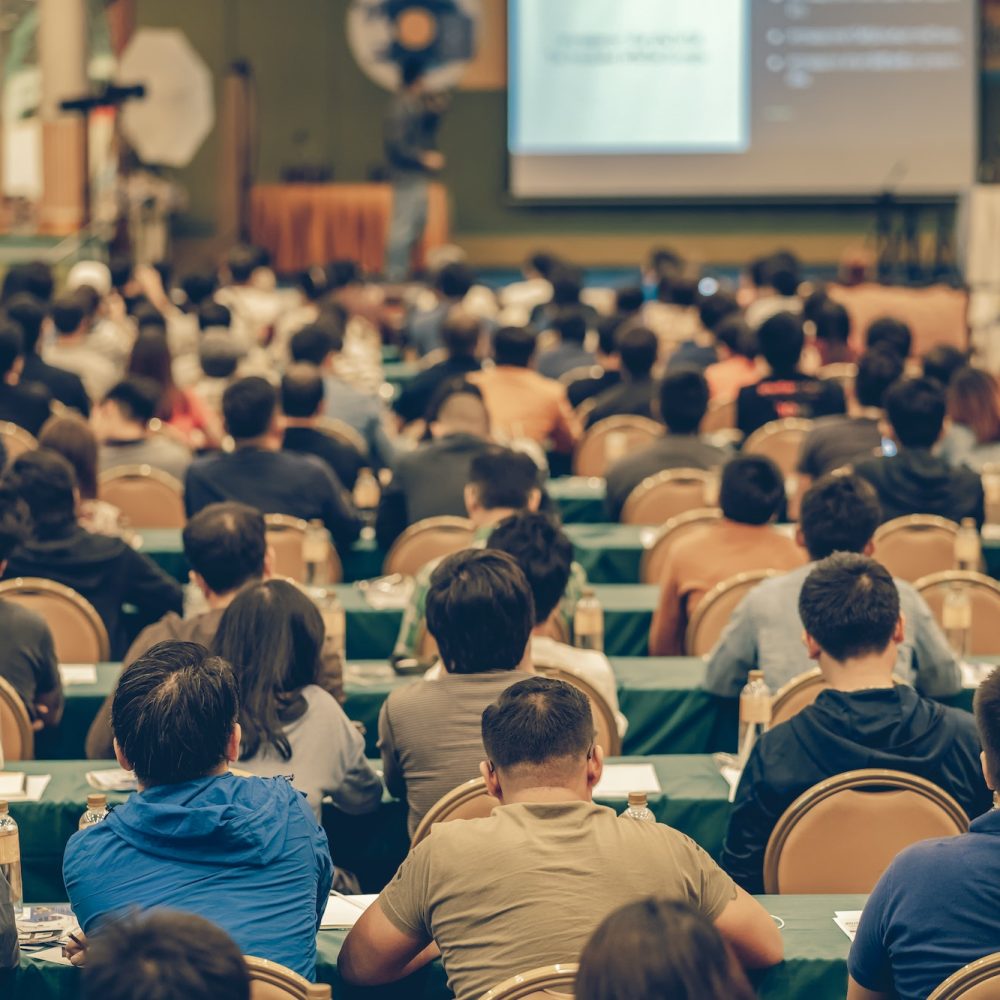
[[973, 437], [833, 334], [849, 606], [567, 291], [659, 948], [71, 350], [536, 288], [431, 480], [260, 474], [944, 888], [777, 279], [272, 634], [891, 333], [736, 347], [606, 372], [26, 405], [121, 423], [786, 391], [106, 571], [635, 395], [570, 327], [426, 327], [254, 309], [942, 362], [916, 481], [480, 612], [245, 853], [701, 351], [751, 495], [683, 402], [575, 861]]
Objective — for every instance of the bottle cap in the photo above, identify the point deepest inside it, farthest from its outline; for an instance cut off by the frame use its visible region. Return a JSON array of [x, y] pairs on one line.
[[97, 800], [3, 806], [637, 799], [756, 675], [968, 522]]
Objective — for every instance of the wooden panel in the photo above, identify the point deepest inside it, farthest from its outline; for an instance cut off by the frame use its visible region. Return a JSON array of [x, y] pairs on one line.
[[488, 71]]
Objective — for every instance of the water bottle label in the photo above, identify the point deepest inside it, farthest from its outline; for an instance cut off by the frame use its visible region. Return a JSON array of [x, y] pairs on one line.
[[957, 617], [755, 709], [10, 849]]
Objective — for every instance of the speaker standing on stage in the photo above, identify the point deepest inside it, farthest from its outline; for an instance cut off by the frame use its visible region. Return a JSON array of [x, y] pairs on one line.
[[410, 140]]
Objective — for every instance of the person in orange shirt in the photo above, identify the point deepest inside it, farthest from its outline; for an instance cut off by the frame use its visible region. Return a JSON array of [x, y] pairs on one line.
[[521, 403], [751, 495], [737, 367]]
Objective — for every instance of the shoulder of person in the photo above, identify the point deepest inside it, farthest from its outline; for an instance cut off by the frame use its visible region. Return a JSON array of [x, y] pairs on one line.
[[16, 616]]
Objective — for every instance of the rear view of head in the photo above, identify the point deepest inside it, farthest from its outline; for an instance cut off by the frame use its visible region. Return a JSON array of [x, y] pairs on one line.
[[734, 334], [877, 371], [638, 348], [752, 490], [839, 514], [71, 437], [986, 706], [241, 262], [916, 409], [135, 400], [683, 400], [780, 340], [15, 521], [46, 483], [659, 948], [458, 408], [571, 325], [174, 714], [480, 612], [301, 391], [29, 314], [454, 281], [248, 408], [460, 334], [974, 402], [942, 361], [68, 314], [502, 479], [225, 544], [164, 955], [891, 333], [833, 323], [715, 308], [315, 343], [513, 346]]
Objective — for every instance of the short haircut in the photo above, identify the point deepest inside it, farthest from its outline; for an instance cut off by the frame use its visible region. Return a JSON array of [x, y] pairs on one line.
[[513, 345], [877, 371], [242, 261], [986, 706], [301, 390], [543, 263], [752, 490], [455, 280], [943, 361], [734, 333], [570, 324], [173, 713], [136, 397], [503, 478], [638, 348], [629, 300], [165, 955], [316, 342], [15, 520], [891, 333], [11, 345], [567, 284], [607, 333], [29, 314], [45, 481], [839, 514], [850, 605], [213, 314], [225, 544], [683, 400], [833, 323], [780, 340], [784, 272], [248, 407], [715, 308], [480, 611], [199, 286], [916, 409], [460, 334], [68, 312], [543, 552], [537, 721]]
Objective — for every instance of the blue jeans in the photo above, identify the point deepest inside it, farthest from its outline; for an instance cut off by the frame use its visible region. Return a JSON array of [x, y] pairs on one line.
[[409, 217]]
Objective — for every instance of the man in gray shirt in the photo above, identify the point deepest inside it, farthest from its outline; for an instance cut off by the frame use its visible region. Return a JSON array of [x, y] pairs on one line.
[[839, 514]]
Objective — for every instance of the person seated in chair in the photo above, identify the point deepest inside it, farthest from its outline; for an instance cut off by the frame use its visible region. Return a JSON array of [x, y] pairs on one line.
[[849, 606], [636, 394]]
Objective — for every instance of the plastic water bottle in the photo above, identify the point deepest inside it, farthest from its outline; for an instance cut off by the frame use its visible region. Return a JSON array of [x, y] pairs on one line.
[[316, 553], [968, 553], [10, 857], [638, 808], [334, 621], [366, 490], [96, 811], [755, 713], [588, 622], [957, 619]]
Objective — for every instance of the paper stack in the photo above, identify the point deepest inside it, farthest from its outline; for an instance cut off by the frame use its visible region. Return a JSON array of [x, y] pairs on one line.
[[344, 911], [847, 921], [112, 780], [620, 779]]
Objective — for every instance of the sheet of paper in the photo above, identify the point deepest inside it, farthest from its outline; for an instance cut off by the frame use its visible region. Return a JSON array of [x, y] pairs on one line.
[[112, 780], [620, 779], [12, 783], [78, 673], [973, 674], [732, 776], [34, 788], [847, 921], [53, 954], [344, 911]]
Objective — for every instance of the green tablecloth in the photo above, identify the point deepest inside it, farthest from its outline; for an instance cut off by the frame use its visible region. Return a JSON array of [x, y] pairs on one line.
[[580, 499]]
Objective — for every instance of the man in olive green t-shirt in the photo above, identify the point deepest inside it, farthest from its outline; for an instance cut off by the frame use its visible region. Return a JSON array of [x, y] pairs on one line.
[[527, 886]]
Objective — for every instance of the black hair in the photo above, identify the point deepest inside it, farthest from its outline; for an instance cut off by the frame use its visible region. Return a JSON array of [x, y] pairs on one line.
[[480, 611], [940, 362], [570, 324], [212, 314], [242, 261], [543, 552], [136, 397], [567, 284], [629, 300], [248, 407], [833, 323], [607, 333], [301, 391], [665, 262], [316, 342], [15, 520], [877, 371], [734, 333], [120, 270], [536, 721], [916, 409], [460, 334], [780, 340], [199, 287], [839, 514], [986, 706], [891, 333], [752, 490], [45, 481], [67, 313], [683, 400], [638, 348], [341, 273], [679, 291], [715, 308], [173, 713], [29, 314], [513, 345], [454, 280], [503, 478], [850, 605], [412, 68], [813, 304], [11, 345], [784, 272], [225, 544]]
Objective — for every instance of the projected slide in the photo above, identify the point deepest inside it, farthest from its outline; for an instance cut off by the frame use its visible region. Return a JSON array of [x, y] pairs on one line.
[[723, 98]]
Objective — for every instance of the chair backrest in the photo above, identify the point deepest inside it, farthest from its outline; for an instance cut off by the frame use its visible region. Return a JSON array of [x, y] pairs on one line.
[[916, 546], [843, 372], [147, 497], [713, 612], [286, 538], [547, 983], [666, 494], [841, 835], [720, 416], [427, 540], [780, 441], [583, 371], [77, 630], [979, 980], [799, 693], [984, 596], [273, 981], [605, 724], [611, 439], [469, 800], [654, 556], [16, 440], [17, 738], [344, 433]]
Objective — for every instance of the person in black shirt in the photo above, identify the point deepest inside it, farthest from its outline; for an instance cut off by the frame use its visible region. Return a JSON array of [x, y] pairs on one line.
[[28, 406], [607, 361], [638, 348]]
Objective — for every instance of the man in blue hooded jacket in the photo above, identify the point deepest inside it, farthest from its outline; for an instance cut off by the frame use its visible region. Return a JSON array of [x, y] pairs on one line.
[[245, 853]]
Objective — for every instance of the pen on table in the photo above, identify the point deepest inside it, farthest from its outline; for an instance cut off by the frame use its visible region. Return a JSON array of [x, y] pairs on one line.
[[346, 899]]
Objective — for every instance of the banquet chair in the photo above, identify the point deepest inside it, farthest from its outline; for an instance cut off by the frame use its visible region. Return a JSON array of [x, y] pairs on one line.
[[844, 373], [469, 800], [984, 596], [77, 629], [654, 556], [713, 613], [16, 440], [611, 439], [547, 983], [916, 546], [273, 981], [605, 724], [780, 441], [147, 497], [979, 980], [666, 494], [344, 433], [17, 738], [286, 539], [720, 416], [426, 540], [840, 835], [581, 372]]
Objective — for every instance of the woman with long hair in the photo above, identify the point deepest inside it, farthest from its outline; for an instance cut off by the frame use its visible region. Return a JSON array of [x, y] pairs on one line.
[[974, 410], [272, 634]]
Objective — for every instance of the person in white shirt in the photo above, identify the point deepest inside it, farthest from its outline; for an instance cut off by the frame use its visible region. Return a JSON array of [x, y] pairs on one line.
[[72, 350]]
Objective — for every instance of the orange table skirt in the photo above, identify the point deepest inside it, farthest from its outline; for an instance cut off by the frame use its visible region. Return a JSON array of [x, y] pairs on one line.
[[306, 224]]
